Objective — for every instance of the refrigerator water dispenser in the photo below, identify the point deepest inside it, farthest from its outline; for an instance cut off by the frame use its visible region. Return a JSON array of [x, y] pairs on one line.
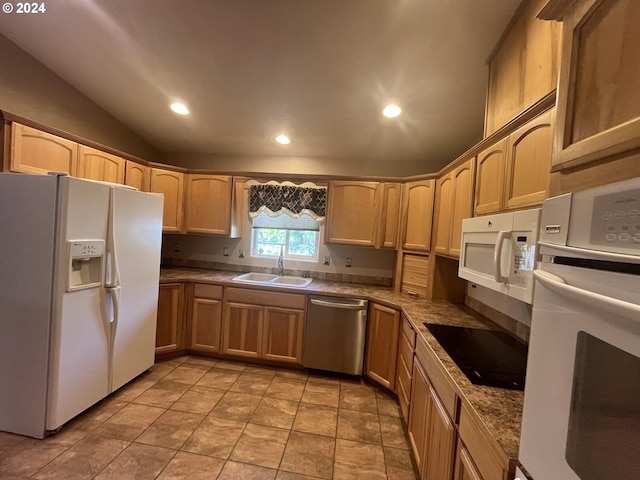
[[86, 264]]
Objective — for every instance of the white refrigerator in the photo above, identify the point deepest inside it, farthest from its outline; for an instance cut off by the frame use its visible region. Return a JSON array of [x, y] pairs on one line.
[[79, 272]]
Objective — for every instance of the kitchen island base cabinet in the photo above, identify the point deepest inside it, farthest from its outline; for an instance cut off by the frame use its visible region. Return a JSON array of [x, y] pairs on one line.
[[383, 326], [170, 318], [206, 318]]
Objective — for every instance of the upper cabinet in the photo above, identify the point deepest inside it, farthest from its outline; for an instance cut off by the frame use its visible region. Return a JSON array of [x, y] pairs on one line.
[[208, 204], [137, 176], [362, 213], [34, 151], [417, 215], [171, 185], [454, 203], [523, 68], [514, 171], [598, 101], [98, 165]]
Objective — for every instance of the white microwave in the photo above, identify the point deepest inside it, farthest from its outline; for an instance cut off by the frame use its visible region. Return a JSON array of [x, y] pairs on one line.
[[499, 252]]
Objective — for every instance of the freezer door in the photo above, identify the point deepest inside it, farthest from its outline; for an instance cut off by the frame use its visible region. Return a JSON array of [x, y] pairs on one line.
[[79, 365], [135, 239]]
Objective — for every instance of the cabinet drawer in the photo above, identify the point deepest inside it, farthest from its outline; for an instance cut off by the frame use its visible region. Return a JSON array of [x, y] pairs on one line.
[[264, 297], [489, 459], [438, 377], [203, 290], [409, 332], [406, 354], [403, 389]]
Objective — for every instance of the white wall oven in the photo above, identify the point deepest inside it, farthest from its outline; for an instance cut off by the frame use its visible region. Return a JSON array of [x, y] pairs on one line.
[[581, 418], [499, 252]]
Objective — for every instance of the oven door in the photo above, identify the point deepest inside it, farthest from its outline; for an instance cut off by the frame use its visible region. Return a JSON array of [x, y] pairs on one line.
[[581, 416]]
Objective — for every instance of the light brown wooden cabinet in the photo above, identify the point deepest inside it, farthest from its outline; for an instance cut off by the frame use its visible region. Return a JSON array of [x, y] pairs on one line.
[[37, 152], [206, 318], [514, 172], [263, 324], [171, 185], [598, 104], [95, 164], [454, 202], [208, 204], [383, 326], [523, 68], [417, 215], [170, 323], [465, 469], [362, 213], [137, 176], [404, 367]]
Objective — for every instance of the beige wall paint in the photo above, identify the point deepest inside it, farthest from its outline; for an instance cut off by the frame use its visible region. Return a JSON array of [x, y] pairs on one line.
[[30, 90]]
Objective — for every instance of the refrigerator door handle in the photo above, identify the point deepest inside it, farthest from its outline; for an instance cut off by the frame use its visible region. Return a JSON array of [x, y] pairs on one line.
[[114, 295], [112, 275]]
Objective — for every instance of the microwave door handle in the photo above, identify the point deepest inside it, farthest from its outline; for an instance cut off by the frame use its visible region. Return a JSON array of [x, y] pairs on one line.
[[497, 257], [613, 306]]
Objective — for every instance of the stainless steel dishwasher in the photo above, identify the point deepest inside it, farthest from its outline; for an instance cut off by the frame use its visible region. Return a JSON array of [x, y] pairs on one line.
[[335, 334]]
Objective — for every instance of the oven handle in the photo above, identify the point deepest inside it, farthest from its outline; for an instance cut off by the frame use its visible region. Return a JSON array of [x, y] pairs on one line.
[[497, 257], [619, 308]]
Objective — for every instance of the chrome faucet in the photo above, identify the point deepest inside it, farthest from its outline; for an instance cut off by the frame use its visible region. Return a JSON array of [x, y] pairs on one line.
[[280, 264]]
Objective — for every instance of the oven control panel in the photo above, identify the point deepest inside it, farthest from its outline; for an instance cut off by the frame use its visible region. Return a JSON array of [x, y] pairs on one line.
[[615, 219]]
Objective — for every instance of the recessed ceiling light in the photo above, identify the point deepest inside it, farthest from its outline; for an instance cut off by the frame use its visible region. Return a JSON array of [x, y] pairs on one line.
[[179, 108], [391, 111], [283, 139]]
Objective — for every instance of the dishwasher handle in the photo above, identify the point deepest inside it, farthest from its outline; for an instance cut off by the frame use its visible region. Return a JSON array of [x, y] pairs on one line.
[[330, 304]]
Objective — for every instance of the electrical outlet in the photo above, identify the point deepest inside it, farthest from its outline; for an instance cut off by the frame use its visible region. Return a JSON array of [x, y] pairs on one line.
[[327, 260], [176, 247], [240, 253], [225, 251], [347, 262]]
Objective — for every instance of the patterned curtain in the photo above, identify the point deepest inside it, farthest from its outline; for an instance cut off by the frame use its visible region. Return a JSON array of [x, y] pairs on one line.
[[278, 199]]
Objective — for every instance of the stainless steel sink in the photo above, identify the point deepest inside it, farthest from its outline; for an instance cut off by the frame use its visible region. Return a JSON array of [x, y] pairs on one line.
[[273, 280]]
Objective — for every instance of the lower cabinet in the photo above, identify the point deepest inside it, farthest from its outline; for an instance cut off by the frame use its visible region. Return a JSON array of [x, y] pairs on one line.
[[383, 326], [170, 318], [206, 318], [261, 324], [404, 367], [465, 469]]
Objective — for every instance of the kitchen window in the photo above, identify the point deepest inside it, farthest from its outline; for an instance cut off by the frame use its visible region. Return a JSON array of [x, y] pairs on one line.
[[297, 238]]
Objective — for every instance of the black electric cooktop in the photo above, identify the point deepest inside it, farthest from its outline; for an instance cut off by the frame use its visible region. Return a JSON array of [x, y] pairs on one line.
[[486, 357]]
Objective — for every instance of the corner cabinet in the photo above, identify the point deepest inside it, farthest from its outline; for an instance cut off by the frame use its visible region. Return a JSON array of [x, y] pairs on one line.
[[98, 165], [170, 322], [34, 151], [362, 213], [514, 171], [208, 204], [171, 184], [454, 202], [598, 101], [418, 215], [383, 325]]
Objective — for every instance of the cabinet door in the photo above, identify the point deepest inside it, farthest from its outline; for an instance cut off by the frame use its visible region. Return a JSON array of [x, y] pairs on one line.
[[206, 325], [390, 215], [137, 176], [170, 318], [383, 326], [98, 165], [441, 440], [33, 151], [465, 469], [208, 204], [418, 215], [353, 214], [170, 184], [242, 329], [529, 162], [444, 199], [490, 178], [419, 415], [598, 101], [462, 205], [282, 334]]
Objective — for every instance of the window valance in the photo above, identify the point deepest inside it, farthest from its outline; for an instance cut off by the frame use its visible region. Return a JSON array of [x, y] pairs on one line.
[[276, 199]]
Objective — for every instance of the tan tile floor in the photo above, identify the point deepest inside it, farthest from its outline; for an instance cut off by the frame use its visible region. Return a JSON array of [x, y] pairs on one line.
[[196, 418]]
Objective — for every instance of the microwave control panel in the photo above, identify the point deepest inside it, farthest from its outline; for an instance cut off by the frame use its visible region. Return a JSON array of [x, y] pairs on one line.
[[523, 257], [615, 220]]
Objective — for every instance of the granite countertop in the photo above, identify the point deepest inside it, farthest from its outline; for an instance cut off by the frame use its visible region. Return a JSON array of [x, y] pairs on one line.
[[499, 409]]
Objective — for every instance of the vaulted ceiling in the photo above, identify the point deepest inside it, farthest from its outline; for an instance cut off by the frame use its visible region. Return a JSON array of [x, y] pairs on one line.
[[320, 71]]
